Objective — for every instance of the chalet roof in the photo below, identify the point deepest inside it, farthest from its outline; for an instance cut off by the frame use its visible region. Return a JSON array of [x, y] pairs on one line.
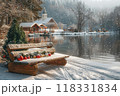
[[26, 24], [38, 22], [43, 21]]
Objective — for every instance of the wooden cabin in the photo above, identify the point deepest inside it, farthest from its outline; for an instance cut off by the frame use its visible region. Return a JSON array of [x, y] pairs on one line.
[[31, 28], [43, 24], [50, 23]]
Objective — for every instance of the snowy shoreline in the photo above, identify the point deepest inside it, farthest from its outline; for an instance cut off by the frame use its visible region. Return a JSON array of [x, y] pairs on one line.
[[82, 33], [75, 69]]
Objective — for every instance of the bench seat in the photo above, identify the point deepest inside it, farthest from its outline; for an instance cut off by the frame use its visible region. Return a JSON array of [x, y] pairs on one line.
[[41, 60], [30, 66]]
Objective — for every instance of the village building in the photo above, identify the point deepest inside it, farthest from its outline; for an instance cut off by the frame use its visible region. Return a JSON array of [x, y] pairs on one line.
[[72, 28], [62, 26], [42, 25]]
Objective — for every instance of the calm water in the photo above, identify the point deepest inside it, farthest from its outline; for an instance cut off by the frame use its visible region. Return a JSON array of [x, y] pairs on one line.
[[94, 47]]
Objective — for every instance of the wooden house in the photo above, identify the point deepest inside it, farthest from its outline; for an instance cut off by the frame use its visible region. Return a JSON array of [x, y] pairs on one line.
[[47, 21], [30, 28], [72, 28], [41, 25]]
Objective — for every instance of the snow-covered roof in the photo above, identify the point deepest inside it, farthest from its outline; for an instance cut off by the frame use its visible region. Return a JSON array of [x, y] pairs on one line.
[[28, 24], [38, 22], [42, 21]]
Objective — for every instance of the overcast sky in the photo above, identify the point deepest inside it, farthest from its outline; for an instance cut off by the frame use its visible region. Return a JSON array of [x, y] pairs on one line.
[[102, 3]]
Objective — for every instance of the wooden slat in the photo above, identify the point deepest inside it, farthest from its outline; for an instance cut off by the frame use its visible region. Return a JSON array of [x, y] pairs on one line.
[[30, 45]]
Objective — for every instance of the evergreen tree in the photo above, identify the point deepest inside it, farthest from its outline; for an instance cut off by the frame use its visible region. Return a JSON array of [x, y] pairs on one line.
[[15, 35]]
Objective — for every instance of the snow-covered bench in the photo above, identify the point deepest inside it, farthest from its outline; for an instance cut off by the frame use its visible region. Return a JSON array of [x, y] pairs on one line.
[[30, 66]]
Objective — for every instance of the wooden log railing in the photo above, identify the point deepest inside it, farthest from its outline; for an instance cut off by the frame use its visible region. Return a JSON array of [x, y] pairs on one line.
[[31, 45]]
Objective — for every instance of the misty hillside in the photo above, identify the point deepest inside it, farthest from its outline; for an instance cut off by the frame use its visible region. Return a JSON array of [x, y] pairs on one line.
[[99, 4], [60, 11]]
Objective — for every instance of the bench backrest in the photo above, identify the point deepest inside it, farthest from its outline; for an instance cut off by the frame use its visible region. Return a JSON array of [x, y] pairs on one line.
[[14, 49]]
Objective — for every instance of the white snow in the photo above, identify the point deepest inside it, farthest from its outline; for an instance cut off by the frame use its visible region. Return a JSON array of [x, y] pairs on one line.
[[75, 69]]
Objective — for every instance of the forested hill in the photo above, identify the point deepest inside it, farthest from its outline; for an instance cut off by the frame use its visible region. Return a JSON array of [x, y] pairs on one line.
[[60, 11]]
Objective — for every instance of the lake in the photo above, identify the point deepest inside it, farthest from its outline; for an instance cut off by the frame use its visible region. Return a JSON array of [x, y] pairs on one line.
[[99, 59], [94, 47]]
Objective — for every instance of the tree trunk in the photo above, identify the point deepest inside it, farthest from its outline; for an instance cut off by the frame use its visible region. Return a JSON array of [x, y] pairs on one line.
[[2, 21], [10, 22]]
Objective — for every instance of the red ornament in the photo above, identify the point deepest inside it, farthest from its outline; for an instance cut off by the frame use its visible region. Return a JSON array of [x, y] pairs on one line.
[[21, 57], [28, 57], [25, 58], [49, 54], [38, 56], [4, 56]]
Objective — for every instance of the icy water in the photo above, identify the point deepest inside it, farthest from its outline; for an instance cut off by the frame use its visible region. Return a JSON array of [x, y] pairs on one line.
[[94, 47], [99, 59]]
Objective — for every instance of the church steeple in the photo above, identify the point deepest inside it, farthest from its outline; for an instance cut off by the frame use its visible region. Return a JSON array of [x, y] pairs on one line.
[[44, 15], [44, 11]]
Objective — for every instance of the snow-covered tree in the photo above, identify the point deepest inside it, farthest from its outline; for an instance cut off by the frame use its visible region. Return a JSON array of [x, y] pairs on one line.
[[15, 36], [82, 14]]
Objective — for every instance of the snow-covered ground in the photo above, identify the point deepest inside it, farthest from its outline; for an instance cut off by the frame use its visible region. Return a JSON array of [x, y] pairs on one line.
[[75, 69]]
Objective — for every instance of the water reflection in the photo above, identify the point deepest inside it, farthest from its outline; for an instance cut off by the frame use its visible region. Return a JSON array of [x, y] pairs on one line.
[[97, 47]]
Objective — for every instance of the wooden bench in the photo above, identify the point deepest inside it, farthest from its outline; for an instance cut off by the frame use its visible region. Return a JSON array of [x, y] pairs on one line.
[[30, 66]]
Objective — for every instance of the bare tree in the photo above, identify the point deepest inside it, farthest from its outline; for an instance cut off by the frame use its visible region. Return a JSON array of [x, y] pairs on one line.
[[110, 21], [117, 18], [82, 14], [102, 15], [92, 24]]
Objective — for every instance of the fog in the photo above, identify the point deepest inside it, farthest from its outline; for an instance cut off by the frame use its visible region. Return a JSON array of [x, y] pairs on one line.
[[101, 4], [97, 4]]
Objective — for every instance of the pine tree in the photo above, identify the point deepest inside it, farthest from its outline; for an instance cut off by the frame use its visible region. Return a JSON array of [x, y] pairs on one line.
[[15, 35]]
